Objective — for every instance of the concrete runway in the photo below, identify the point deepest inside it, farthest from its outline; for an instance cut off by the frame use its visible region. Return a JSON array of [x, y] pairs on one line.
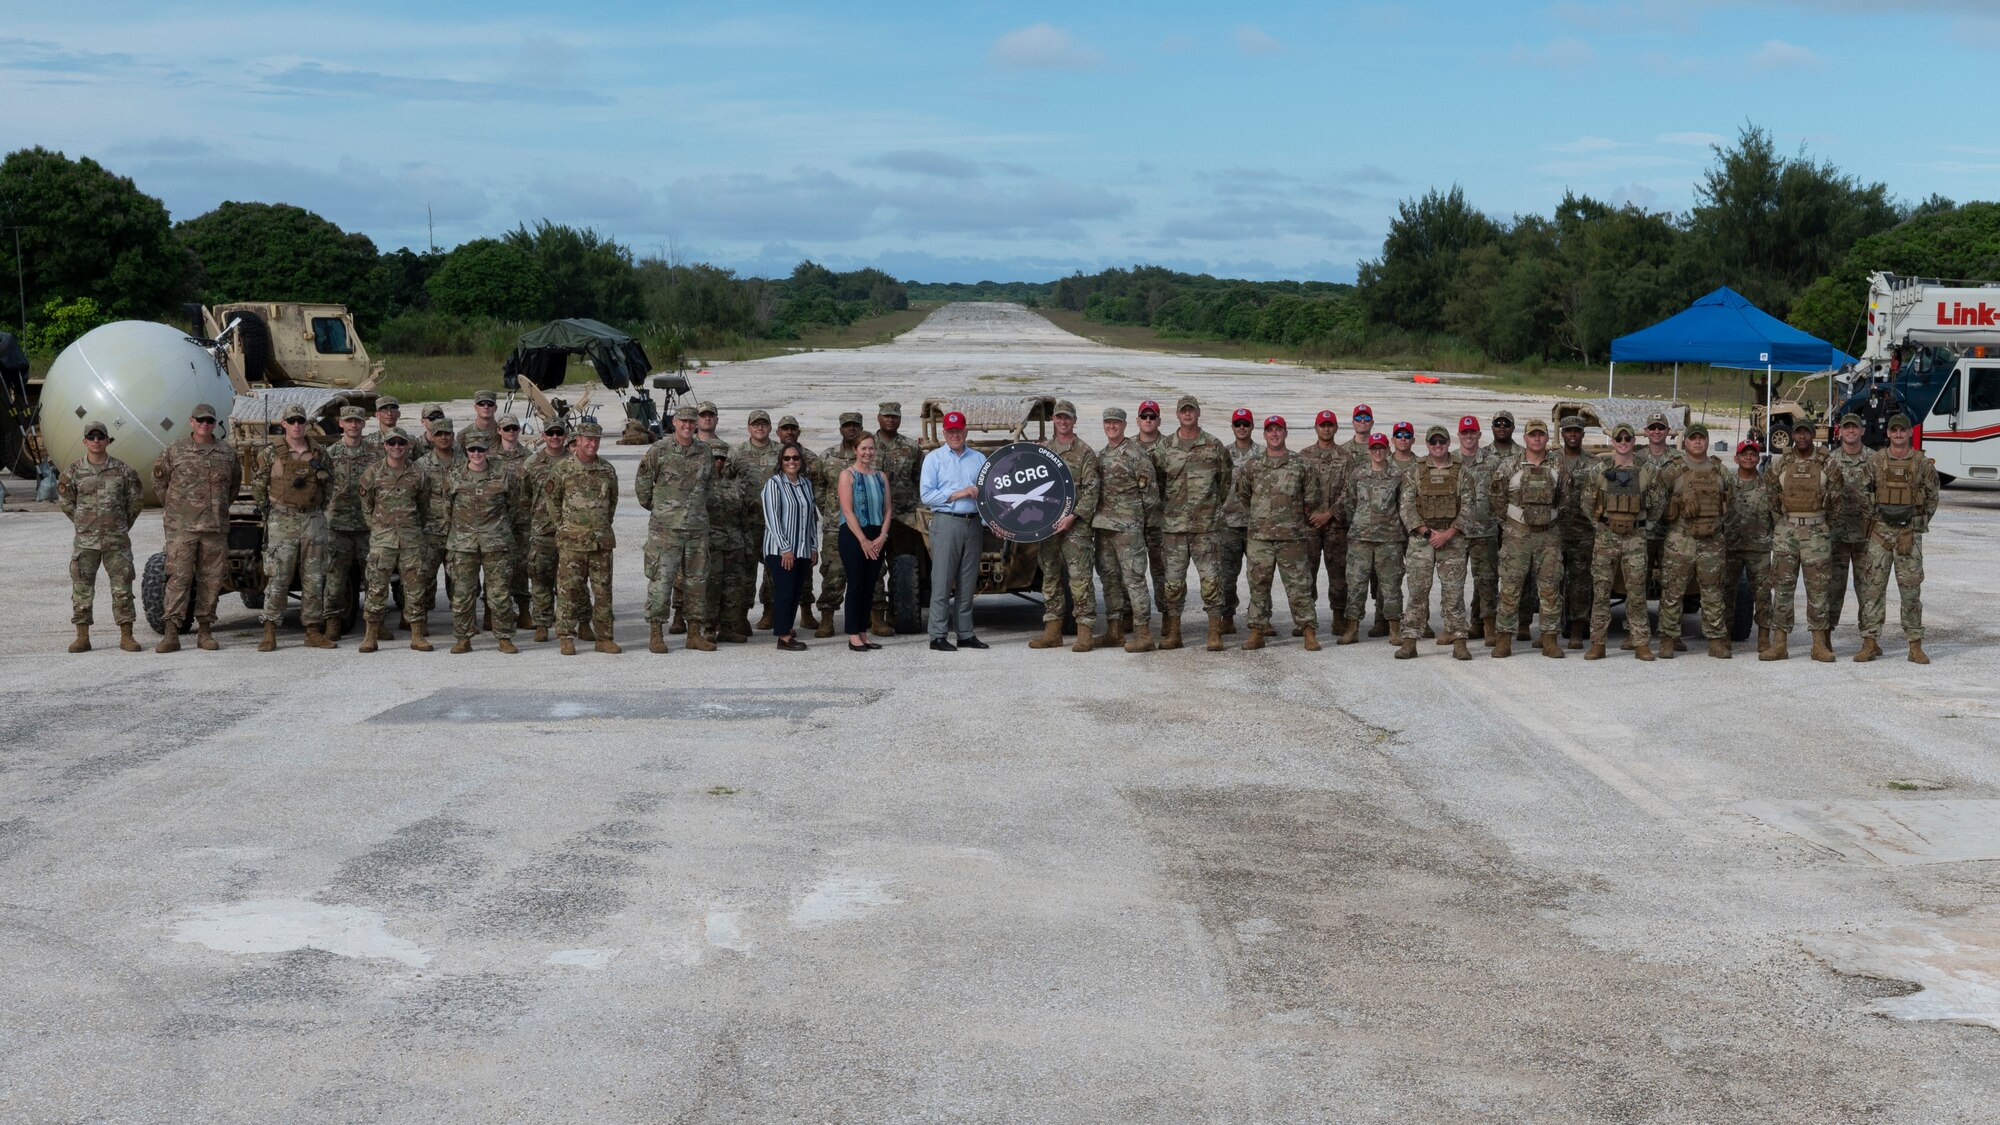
[[1003, 885]]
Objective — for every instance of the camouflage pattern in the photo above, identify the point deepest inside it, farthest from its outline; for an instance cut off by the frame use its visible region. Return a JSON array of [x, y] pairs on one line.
[[1421, 561], [1656, 535], [1526, 549], [541, 554], [1281, 494], [1579, 537], [582, 501], [1376, 536], [1690, 557], [730, 586], [196, 484], [901, 461], [397, 504], [1070, 559], [1326, 547], [346, 523], [102, 502], [1900, 549], [1618, 553], [1156, 539], [1235, 529], [515, 461], [490, 433], [676, 483], [294, 490], [1128, 499], [1197, 475], [1747, 547], [1800, 543], [1482, 534], [1847, 527], [826, 493], [439, 466], [754, 464], [484, 511]]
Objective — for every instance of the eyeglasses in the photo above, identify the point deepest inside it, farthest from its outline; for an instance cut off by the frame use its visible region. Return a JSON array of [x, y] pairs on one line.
[[1149, 417], [1656, 429], [295, 421], [1437, 441], [204, 421], [97, 437], [510, 429], [1240, 425]]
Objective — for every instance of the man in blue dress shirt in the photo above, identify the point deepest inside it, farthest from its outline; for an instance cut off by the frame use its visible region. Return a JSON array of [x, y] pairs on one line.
[[948, 486]]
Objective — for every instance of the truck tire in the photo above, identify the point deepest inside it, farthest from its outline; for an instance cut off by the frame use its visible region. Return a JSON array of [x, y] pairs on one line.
[[153, 595], [906, 595], [253, 343], [1743, 615]]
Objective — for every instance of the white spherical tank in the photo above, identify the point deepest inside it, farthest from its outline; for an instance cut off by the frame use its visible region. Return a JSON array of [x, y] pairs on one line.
[[140, 379]]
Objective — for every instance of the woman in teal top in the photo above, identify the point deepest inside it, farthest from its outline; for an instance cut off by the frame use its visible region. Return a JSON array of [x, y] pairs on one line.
[[864, 536]]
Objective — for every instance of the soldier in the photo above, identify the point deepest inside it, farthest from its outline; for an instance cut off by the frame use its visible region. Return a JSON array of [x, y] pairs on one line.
[[901, 460], [826, 491], [346, 526], [788, 434], [1235, 519], [290, 484], [513, 457], [484, 405], [1528, 494], [673, 484], [1402, 440], [1847, 527], [722, 510], [1069, 556], [1364, 428], [396, 501], [706, 417], [542, 554], [1482, 532], [102, 496], [1436, 495], [486, 510], [1129, 499], [1747, 536], [1504, 447], [1620, 496], [1904, 497], [1802, 484], [1695, 493], [1375, 538], [1197, 472], [582, 499], [196, 479], [1148, 438], [753, 462], [1327, 546], [388, 410], [438, 460], [1282, 492], [1579, 533], [729, 588], [1657, 454]]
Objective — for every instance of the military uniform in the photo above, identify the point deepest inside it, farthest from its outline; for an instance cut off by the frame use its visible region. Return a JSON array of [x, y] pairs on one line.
[[826, 492], [1656, 535], [1622, 501], [1070, 558], [515, 461], [1198, 477], [473, 428], [1281, 493], [1747, 543], [439, 466], [346, 524], [582, 499], [1482, 546], [901, 461], [1376, 535], [397, 504], [102, 501], [1695, 497], [1156, 537], [730, 590], [1801, 488], [1435, 498], [1528, 498], [674, 484], [1579, 539], [196, 484], [1235, 536], [1129, 499], [293, 490], [753, 464], [1327, 546], [484, 510], [1904, 497], [1847, 526], [541, 554]]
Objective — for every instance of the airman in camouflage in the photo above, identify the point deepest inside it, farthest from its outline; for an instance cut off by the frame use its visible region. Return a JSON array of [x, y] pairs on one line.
[[397, 497], [826, 493], [1285, 499], [1748, 538], [1802, 484], [1482, 531], [1357, 446], [1504, 449], [1069, 557], [1402, 440], [512, 456], [484, 406], [729, 587], [1128, 500], [1375, 538], [1904, 496], [901, 461], [291, 484], [1657, 454], [1695, 492], [1436, 495], [388, 413], [1235, 518], [1326, 547], [542, 553], [438, 460], [1528, 490], [1148, 438], [582, 499], [346, 526], [1846, 517], [1579, 532], [753, 461], [102, 497], [196, 480], [1622, 499], [673, 484], [1198, 478], [486, 510]]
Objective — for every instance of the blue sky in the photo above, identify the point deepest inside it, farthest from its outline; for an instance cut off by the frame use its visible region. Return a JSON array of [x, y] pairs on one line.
[[972, 140]]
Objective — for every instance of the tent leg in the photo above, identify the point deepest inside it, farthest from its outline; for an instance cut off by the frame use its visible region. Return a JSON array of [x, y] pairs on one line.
[[1677, 383], [1611, 382]]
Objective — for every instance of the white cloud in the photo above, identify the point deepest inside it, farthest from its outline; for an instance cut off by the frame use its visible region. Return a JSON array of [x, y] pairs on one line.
[[1254, 41], [1043, 46], [1567, 53], [1776, 54]]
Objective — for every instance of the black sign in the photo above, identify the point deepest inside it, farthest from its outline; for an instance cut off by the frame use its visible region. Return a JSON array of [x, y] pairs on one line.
[[1023, 491]]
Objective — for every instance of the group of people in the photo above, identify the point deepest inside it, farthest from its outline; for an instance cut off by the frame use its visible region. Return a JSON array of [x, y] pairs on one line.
[[1490, 525]]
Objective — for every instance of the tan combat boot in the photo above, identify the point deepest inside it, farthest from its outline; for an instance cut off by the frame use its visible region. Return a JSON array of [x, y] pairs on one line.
[[1312, 638], [1141, 639], [764, 622], [1869, 651], [82, 641], [1460, 650], [1822, 649], [334, 630], [1170, 637], [1763, 639], [506, 645], [1351, 634], [371, 639], [1408, 649], [732, 635], [697, 639], [1228, 624], [1492, 631], [880, 625], [1669, 646], [204, 635], [1502, 644], [1379, 629], [1256, 640], [1776, 649], [1642, 651], [584, 632], [1215, 632], [170, 641], [825, 629], [270, 641], [541, 633], [1049, 637], [1719, 649], [1114, 631], [1917, 655], [1396, 630], [1596, 649], [656, 641], [126, 640], [316, 637], [1552, 645], [806, 617], [461, 646], [606, 645], [566, 646], [1577, 634], [1084, 640], [420, 636]]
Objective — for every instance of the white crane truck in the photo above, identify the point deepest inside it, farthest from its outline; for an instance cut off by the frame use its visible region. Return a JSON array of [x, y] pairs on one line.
[[1937, 345]]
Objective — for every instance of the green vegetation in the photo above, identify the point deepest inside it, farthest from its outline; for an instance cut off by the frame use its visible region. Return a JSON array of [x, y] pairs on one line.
[[87, 232], [277, 252]]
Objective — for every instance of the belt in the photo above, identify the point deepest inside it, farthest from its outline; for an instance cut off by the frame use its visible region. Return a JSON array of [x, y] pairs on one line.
[[955, 515], [1806, 521]]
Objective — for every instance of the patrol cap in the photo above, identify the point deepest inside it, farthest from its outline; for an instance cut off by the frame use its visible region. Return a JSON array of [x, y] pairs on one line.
[[684, 414], [1656, 418], [394, 435], [485, 398], [1850, 419], [1242, 414], [388, 402], [477, 441], [556, 427], [509, 422], [1436, 432], [1064, 406], [1378, 441], [202, 412], [1363, 411], [1899, 421], [1185, 401], [850, 417], [1277, 420], [760, 418], [1403, 429], [889, 409], [1695, 429], [719, 449], [1326, 418], [1506, 416], [953, 420], [1534, 426], [1114, 414], [353, 414], [705, 407], [788, 421], [1622, 430], [588, 427], [1468, 425], [97, 429], [1571, 422], [1802, 423], [433, 412], [440, 426], [293, 413], [1149, 404]]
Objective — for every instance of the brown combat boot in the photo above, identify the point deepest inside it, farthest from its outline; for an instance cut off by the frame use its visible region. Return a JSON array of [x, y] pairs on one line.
[[506, 645], [1521, 630], [1776, 649], [420, 636], [524, 619], [1577, 635], [270, 641], [1680, 645], [1379, 629], [170, 641], [1503, 645], [698, 640], [1170, 637], [1822, 649], [126, 640], [1049, 637], [316, 637], [461, 645], [1141, 639], [1396, 630], [1228, 624], [1763, 639], [1084, 640], [1626, 644], [1596, 650], [764, 622], [204, 635], [1669, 646], [371, 637], [82, 641], [1552, 645], [1351, 634], [541, 633], [1642, 651], [584, 632], [1492, 631], [1312, 638], [733, 635], [806, 617], [656, 640], [1719, 649], [1114, 631], [825, 629], [1917, 655], [1869, 651], [1256, 639], [1215, 632], [1460, 650], [1408, 649], [880, 625], [610, 647], [566, 646], [677, 626], [1428, 632], [335, 629]]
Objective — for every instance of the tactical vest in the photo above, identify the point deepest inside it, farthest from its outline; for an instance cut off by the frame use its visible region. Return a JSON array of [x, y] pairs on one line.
[[1896, 490], [1533, 488], [1701, 502], [1802, 486], [1619, 501], [1437, 495], [296, 481]]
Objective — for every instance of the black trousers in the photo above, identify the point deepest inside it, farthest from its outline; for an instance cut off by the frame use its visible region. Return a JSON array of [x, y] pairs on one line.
[[863, 573], [786, 588]]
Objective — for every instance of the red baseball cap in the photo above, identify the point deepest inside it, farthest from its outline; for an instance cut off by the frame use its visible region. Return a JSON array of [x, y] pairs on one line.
[[953, 420], [1378, 439], [1468, 424], [1242, 414], [1149, 404], [1363, 411], [1325, 417], [1275, 420], [1404, 429]]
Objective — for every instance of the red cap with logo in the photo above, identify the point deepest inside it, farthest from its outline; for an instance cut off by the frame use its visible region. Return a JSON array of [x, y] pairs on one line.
[[1274, 420], [1149, 404], [953, 420], [1326, 417], [1363, 411], [1405, 429], [1468, 425], [1242, 414], [1378, 441]]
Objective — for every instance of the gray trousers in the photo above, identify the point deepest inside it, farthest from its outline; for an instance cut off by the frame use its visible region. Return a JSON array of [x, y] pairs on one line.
[[955, 545]]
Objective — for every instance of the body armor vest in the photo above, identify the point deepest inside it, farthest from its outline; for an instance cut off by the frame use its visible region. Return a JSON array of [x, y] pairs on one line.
[[296, 480], [1619, 502], [1437, 495], [1803, 487], [1534, 492], [1701, 502], [1896, 490]]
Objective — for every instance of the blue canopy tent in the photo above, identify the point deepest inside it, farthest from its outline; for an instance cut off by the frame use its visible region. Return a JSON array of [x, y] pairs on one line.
[[1724, 329]]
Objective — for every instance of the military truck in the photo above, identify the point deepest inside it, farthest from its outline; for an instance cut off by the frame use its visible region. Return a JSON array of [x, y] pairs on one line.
[[290, 344]]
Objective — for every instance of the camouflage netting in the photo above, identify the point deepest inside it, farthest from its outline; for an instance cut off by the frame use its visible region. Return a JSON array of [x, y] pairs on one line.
[[988, 412], [269, 405]]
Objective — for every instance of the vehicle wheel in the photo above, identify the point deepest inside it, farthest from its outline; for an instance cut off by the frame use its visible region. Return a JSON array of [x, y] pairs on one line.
[[906, 601], [1744, 616], [153, 595], [1944, 479], [253, 596], [253, 343]]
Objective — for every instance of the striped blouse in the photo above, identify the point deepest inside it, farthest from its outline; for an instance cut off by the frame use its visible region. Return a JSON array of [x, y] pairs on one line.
[[791, 517]]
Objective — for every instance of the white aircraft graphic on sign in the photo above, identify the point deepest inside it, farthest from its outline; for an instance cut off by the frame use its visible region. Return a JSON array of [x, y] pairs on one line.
[[1016, 499]]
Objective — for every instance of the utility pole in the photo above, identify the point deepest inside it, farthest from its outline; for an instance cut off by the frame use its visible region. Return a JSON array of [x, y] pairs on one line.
[[430, 228]]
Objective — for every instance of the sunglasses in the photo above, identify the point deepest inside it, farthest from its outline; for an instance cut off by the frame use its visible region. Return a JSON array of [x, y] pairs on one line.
[[1240, 425], [1149, 417], [97, 437], [1628, 437], [1438, 441], [1654, 429], [295, 421], [204, 421], [1503, 424], [510, 429], [396, 441]]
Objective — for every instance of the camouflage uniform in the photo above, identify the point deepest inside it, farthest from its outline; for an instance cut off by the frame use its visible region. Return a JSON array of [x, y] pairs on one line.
[[1197, 474], [346, 525], [439, 466], [1281, 493], [1903, 498], [1622, 502], [1847, 527], [1801, 542], [1435, 497], [1747, 537], [1529, 500], [1482, 535], [484, 512], [541, 555], [1579, 539], [1375, 538], [196, 484], [730, 589], [490, 433], [901, 461], [1156, 537], [1069, 559], [1235, 531], [826, 493], [397, 504], [1129, 499], [515, 461], [674, 484], [102, 501], [293, 489], [1695, 497], [582, 500], [1327, 546], [753, 464], [1656, 536]]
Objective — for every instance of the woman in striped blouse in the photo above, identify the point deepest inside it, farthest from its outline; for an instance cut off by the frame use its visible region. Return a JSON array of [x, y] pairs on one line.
[[791, 530]]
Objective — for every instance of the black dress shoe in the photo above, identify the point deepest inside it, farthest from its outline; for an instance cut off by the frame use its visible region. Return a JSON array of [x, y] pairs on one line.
[[859, 648], [872, 646], [792, 644], [942, 645], [971, 642]]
